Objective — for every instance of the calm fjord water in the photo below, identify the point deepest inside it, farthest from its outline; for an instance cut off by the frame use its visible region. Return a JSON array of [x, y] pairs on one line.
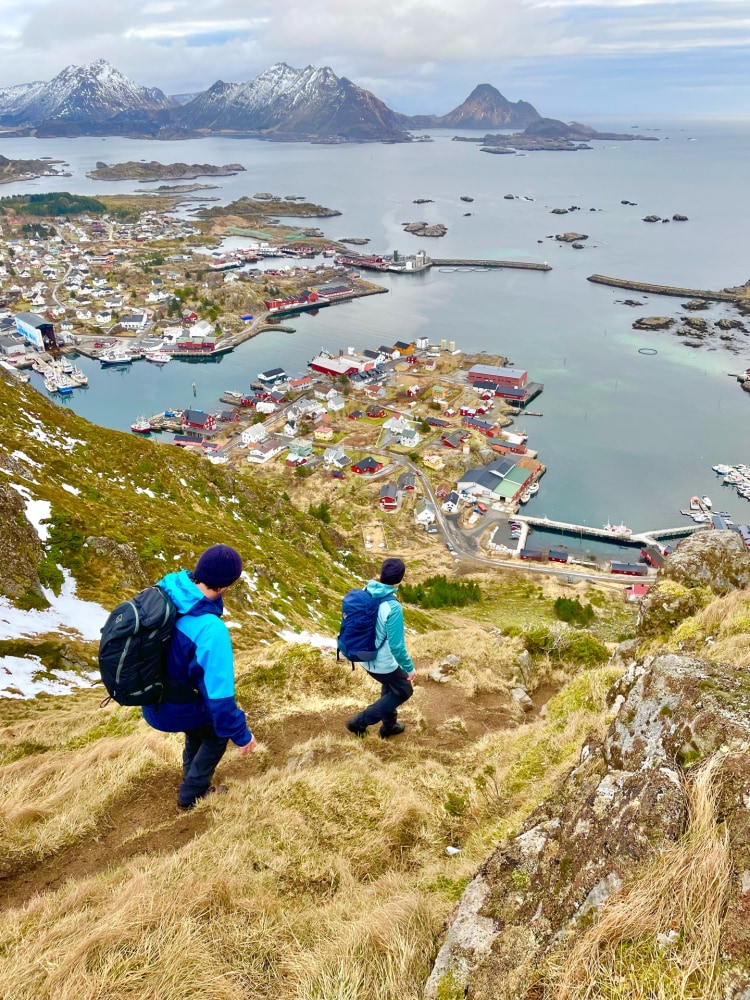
[[625, 436]]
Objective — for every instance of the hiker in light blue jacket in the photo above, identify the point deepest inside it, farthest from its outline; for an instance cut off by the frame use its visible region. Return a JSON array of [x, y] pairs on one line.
[[392, 665]]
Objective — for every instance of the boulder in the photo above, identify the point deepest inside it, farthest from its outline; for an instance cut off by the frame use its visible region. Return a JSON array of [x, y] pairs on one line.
[[425, 229], [696, 305], [652, 218], [679, 218], [718, 560], [653, 323], [623, 808]]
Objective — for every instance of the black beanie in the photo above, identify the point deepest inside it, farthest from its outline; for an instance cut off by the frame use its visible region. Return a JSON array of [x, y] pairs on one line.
[[392, 571], [219, 566]]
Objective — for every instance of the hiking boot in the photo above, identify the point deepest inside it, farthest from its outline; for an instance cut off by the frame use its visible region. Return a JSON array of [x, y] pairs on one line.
[[355, 728], [212, 790], [395, 730]]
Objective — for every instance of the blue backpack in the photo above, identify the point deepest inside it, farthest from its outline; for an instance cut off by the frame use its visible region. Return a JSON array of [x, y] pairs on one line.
[[359, 617]]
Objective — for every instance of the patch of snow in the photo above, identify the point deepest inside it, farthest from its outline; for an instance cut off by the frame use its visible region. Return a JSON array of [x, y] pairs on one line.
[[309, 638], [20, 677], [25, 458], [36, 510], [66, 612], [148, 492], [278, 614], [71, 489]]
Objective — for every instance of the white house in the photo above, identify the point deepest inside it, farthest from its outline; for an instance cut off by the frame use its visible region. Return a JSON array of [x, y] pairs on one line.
[[424, 512], [265, 406], [336, 402], [202, 330], [410, 437], [134, 321], [254, 434], [264, 451]]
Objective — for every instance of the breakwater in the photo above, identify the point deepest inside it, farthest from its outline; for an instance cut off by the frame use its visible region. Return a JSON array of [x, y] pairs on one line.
[[644, 286], [460, 262]]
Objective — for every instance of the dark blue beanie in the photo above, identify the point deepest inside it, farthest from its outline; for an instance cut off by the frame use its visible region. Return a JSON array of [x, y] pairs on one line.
[[392, 571], [219, 566]]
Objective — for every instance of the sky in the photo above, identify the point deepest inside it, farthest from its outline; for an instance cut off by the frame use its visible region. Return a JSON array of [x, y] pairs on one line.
[[684, 58]]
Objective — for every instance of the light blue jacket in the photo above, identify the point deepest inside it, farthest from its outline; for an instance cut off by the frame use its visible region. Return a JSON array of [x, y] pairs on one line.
[[389, 634]]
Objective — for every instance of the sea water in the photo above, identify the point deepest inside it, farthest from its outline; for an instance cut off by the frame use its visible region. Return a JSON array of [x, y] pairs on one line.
[[625, 436]]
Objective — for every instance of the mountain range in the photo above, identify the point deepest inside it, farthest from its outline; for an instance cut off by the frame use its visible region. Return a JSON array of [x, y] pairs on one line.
[[281, 103]]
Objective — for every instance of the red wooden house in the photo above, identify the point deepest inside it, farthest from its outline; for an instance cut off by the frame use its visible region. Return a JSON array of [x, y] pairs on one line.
[[367, 466], [199, 420]]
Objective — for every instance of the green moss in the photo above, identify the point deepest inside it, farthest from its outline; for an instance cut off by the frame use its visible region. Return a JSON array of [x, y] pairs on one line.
[[449, 988], [122, 723], [566, 867], [21, 749], [451, 888], [521, 879], [32, 600]]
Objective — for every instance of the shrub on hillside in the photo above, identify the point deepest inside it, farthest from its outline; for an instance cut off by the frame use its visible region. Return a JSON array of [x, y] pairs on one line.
[[438, 592], [572, 611]]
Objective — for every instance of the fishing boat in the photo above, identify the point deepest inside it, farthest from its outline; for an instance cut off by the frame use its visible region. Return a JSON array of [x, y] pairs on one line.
[[141, 426], [695, 503], [618, 529], [525, 496], [707, 502], [80, 377], [158, 357], [532, 488], [115, 357]]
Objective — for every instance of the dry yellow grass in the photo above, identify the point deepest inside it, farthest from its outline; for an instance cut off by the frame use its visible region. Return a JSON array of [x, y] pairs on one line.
[[659, 937], [324, 876]]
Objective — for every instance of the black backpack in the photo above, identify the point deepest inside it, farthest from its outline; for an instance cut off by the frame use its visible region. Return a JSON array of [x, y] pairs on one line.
[[133, 648]]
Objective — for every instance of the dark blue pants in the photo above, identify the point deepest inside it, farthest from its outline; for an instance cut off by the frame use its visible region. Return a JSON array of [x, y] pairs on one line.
[[396, 690], [203, 751]]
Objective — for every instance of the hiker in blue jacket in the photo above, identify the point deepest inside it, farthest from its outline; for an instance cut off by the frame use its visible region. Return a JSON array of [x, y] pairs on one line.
[[392, 665], [199, 700]]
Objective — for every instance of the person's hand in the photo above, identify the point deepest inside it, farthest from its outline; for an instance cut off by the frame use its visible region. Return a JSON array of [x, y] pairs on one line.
[[248, 748], [410, 677]]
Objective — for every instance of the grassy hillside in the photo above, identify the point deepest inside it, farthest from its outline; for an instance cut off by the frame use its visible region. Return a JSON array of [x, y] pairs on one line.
[[324, 872]]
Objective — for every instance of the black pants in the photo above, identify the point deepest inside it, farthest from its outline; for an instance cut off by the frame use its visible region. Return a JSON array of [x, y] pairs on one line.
[[203, 751], [396, 690]]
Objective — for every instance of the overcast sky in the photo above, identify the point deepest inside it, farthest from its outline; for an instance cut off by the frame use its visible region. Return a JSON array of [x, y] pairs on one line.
[[625, 57]]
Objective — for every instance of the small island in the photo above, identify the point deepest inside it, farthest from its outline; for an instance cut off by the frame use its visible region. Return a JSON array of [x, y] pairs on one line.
[[254, 208], [155, 171], [24, 170], [549, 134], [425, 229]]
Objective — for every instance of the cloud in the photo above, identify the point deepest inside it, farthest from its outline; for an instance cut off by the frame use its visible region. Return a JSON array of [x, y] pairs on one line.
[[406, 50]]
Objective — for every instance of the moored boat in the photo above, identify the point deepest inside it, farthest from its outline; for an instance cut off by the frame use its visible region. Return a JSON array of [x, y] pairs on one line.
[[158, 357], [141, 425], [115, 357], [618, 529]]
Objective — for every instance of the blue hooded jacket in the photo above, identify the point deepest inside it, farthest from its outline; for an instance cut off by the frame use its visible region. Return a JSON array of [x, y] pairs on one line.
[[200, 668]]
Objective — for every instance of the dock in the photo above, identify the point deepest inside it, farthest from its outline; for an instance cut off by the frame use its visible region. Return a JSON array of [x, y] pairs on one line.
[[599, 534], [643, 286], [525, 265]]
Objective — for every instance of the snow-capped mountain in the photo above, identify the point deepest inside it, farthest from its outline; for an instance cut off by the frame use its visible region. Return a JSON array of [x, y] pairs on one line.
[[92, 93], [307, 102]]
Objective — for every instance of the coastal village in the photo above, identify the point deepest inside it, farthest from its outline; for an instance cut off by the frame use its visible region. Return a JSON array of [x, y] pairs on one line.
[[422, 437]]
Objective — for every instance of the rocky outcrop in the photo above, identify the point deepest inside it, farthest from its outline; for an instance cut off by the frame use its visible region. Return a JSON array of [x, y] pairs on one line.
[[571, 237], [653, 323], [707, 564], [20, 548], [623, 809], [425, 229]]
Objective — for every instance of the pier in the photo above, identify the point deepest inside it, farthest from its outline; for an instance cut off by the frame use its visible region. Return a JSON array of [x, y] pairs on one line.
[[643, 286], [525, 265], [601, 535]]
